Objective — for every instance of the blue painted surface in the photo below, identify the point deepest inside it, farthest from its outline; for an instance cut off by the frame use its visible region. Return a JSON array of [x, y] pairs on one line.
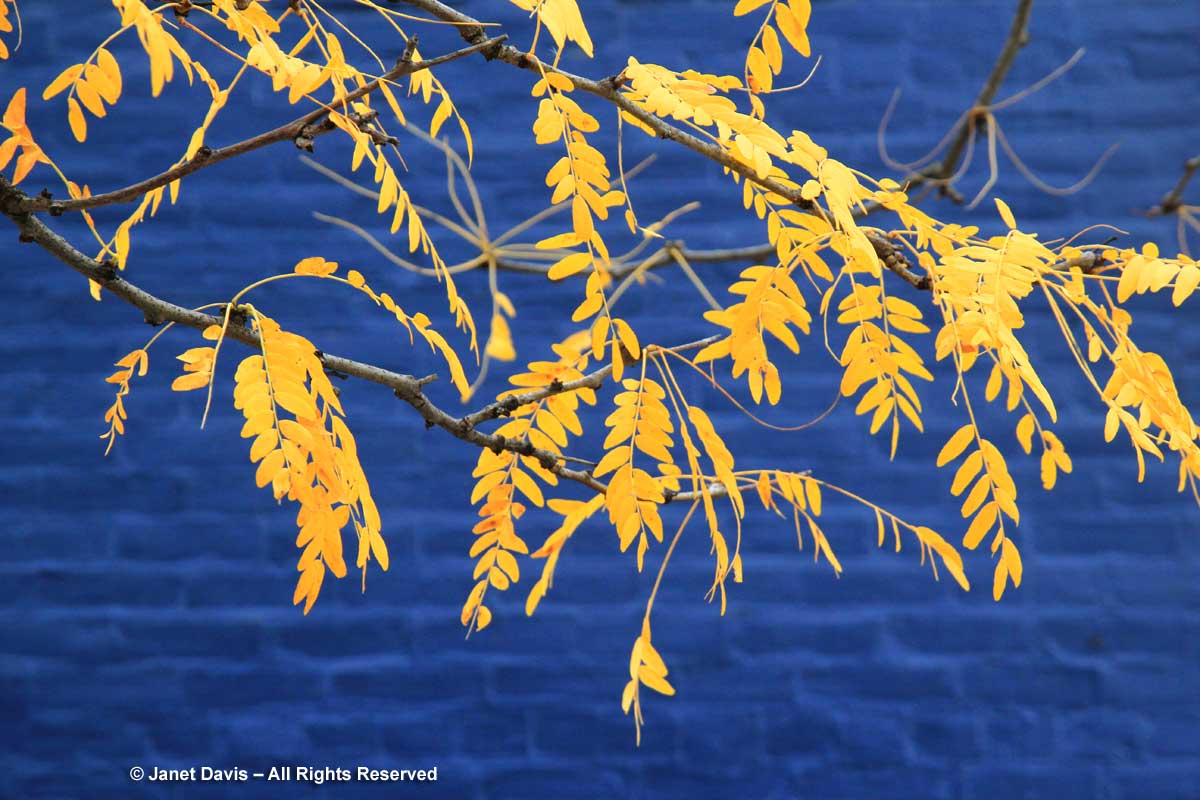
[[145, 598]]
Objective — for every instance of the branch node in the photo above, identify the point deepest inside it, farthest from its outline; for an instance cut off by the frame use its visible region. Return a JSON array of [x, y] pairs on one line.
[[614, 82], [493, 52], [410, 49], [330, 371], [108, 271]]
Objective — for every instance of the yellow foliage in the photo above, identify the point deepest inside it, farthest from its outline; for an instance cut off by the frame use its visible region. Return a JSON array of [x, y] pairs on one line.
[[21, 137], [306, 454], [640, 423], [545, 425], [818, 216], [136, 361], [562, 19], [875, 354], [646, 668], [6, 25], [764, 59], [773, 303]]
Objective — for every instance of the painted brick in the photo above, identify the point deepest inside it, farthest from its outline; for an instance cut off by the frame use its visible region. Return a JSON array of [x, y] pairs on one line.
[[145, 598]]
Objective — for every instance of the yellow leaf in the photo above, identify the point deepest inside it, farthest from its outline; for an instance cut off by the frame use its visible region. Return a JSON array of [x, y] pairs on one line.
[[628, 338], [108, 65], [570, 265], [956, 445], [792, 28], [440, 115], [98, 80], [263, 444], [528, 487], [1185, 284], [627, 695], [1006, 214], [193, 380], [812, 490], [759, 69], [612, 460], [555, 242], [76, 120], [967, 472], [976, 497], [535, 596], [746, 6], [655, 681], [1012, 556], [90, 98], [770, 46], [7, 150], [1025, 433], [1111, 424], [64, 79], [590, 305], [801, 11], [581, 218], [14, 115], [483, 618], [599, 336], [309, 585], [316, 265], [486, 484], [506, 562], [270, 465], [980, 526]]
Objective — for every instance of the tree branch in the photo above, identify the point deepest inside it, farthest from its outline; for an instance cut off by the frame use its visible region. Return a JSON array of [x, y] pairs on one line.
[[472, 31], [300, 130], [406, 387], [1173, 199], [1018, 37], [593, 380]]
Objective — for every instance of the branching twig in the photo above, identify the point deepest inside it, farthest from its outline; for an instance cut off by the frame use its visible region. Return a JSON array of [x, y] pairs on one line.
[[1018, 37], [1173, 199], [301, 130], [593, 380], [473, 32], [406, 387]]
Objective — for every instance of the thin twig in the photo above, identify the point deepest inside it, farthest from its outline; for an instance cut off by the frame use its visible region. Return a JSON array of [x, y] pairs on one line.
[[301, 130], [1018, 37], [1173, 199], [472, 31], [406, 387]]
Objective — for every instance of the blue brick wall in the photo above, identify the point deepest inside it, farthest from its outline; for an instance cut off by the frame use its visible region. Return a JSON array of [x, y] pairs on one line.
[[145, 598]]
